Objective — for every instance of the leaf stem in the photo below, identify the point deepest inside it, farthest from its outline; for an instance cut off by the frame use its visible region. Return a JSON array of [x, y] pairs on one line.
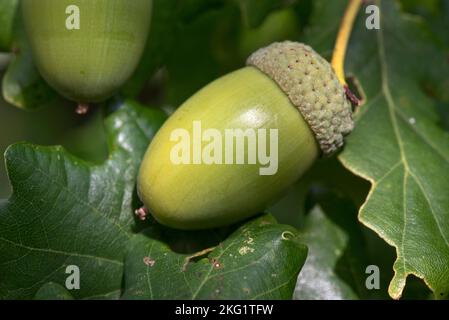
[[341, 44]]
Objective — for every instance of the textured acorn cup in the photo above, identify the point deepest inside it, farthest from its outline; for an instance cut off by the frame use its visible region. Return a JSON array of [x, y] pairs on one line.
[[279, 80], [312, 86], [91, 63]]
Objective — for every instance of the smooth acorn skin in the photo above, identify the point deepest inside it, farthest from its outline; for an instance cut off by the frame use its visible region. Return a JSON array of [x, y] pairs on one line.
[[90, 63], [200, 196]]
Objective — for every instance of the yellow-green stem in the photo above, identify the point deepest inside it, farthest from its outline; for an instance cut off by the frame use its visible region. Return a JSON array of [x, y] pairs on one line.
[[338, 57]]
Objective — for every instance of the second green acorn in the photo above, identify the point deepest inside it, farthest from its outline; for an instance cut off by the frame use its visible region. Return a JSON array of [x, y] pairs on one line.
[[86, 50]]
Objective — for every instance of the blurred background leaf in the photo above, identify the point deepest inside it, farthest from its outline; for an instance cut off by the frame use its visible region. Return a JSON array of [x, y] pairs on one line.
[[8, 10], [326, 243], [160, 43]]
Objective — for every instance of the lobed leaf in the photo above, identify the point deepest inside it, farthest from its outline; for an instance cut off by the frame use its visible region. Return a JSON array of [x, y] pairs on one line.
[[400, 148], [260, 260], [64, 211]]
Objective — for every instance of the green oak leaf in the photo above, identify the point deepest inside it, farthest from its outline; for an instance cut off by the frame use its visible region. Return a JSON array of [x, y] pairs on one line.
[[327, 243], [64, 211], [400, 146], [260, 260]]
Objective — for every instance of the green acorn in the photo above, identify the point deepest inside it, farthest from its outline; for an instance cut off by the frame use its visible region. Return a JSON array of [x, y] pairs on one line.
[[193, 177], [87, 49]]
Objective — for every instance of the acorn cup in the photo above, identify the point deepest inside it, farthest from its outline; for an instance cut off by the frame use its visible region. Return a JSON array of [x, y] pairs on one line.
[[86, 50], [282, 111]]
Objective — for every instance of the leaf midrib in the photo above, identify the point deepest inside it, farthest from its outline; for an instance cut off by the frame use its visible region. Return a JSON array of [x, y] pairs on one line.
[[59, 252]]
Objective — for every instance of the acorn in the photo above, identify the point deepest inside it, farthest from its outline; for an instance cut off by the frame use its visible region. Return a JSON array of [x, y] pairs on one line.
[[238, 144], [86, 50]]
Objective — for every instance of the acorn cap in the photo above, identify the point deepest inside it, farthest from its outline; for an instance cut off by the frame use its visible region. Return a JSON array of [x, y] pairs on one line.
[[312, 86]]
